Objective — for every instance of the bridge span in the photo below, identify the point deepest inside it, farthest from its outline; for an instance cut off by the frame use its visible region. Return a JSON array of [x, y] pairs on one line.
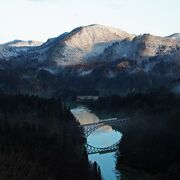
[[93, 150], [91, 127]]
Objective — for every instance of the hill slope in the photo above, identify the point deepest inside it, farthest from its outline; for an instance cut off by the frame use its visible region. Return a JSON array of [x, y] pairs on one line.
[[92, 58]]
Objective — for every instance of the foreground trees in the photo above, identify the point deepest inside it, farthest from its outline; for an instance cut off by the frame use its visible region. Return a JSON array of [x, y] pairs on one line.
[[40, 139]]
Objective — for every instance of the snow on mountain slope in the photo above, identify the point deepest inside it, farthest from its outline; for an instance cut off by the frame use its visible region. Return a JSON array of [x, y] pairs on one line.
[[20, 43], [16, 48], [141, 48], [149, 46], [84, 43], [97, 57], [174, 36], [97, 42], [92, 43]]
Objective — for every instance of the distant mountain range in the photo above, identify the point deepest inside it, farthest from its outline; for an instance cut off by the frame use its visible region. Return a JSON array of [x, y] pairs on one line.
[[90, 60]]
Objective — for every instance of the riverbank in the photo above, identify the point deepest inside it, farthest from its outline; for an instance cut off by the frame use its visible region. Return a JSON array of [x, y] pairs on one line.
[[150, 142], [130, 173], [102, 137]]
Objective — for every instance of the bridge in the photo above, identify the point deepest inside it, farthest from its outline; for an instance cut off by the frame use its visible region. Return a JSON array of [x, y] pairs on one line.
[[93, 150], [91, 127]]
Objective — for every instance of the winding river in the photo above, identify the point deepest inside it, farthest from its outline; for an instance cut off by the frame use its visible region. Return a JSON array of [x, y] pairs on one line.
[[102, 137]]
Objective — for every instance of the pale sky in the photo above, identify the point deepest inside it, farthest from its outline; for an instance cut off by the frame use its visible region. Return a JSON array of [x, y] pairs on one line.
[[43, 19]]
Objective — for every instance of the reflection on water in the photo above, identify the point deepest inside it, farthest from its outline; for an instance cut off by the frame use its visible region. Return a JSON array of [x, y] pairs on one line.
[[102, 137], [84, 115]]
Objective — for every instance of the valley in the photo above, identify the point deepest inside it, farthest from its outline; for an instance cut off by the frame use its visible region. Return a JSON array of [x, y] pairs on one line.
[[49, 90]]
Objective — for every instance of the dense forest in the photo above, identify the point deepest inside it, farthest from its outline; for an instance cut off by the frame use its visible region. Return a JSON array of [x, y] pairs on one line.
[[150, 141], [41, 139]]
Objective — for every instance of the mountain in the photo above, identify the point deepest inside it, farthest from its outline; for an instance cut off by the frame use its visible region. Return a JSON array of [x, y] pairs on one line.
[[16, 48], [143, 47], [20, 43], [82, 44], [92, 59], [174, 36]]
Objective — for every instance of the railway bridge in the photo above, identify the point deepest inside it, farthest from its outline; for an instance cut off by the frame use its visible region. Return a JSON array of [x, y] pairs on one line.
[[91, 127]]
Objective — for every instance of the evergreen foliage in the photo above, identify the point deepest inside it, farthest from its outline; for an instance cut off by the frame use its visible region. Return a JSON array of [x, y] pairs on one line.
[[40, 139]]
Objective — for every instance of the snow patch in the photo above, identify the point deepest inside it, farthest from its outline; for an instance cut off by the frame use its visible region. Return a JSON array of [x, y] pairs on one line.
[[85, 73], [50, 70]]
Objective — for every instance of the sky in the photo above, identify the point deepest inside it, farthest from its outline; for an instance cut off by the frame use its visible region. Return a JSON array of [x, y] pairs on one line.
[[43, 19]]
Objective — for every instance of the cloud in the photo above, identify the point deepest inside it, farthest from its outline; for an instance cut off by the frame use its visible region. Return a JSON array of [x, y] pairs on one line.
[[43, 0]]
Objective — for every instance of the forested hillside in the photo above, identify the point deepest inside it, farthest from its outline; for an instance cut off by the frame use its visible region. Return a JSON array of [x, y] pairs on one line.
[[150, 141], [40, 139]]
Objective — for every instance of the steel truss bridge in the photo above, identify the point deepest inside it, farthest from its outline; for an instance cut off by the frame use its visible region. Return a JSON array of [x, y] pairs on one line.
[[90, 128]]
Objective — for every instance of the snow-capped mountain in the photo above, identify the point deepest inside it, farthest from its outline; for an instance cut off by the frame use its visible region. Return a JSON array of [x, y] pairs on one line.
[[16, 48], [143, 47], [20, 43], [174, 36], [91, 58], [93, 43], [82, 44], [96, 42]]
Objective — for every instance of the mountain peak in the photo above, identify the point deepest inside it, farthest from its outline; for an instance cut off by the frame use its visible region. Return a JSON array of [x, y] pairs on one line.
[[94, 42], [97, 30], [85, 42]]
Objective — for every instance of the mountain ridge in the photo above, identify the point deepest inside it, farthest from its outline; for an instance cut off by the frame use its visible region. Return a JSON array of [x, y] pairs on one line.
[[88, 42], [102, 59], [21, 43]]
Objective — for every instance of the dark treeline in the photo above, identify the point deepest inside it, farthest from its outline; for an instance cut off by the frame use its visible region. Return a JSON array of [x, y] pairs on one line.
[[40, 139], [151, 139], [153, 101]]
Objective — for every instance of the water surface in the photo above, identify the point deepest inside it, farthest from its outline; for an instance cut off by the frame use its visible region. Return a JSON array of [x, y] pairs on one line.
[[102, 137]]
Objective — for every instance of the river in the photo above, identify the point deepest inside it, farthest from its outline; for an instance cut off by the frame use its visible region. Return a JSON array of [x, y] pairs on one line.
[[102, 137]]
